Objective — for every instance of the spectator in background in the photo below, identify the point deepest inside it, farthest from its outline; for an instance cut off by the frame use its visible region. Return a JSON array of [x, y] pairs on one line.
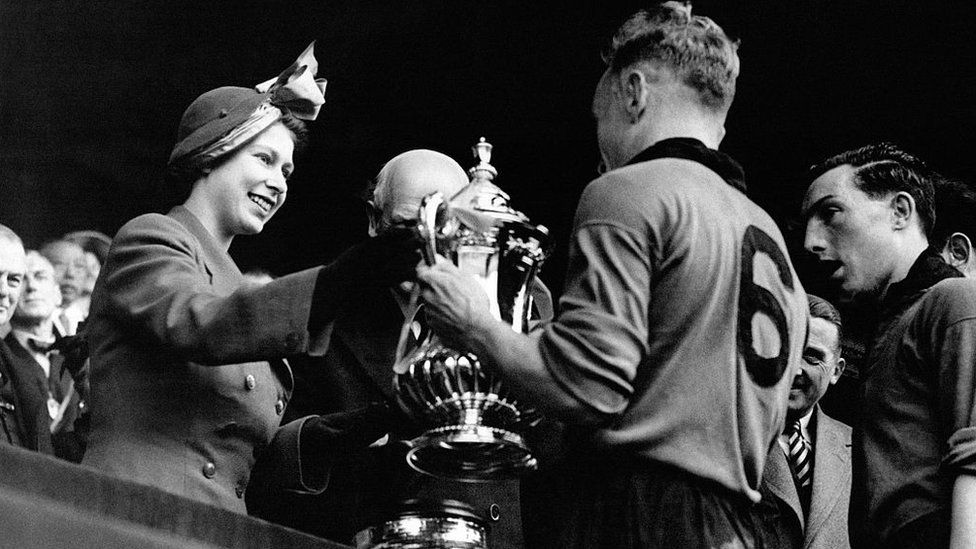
[[40, 375], [23, 421], [955, 225], [96, 246], [809, 471], [72, 275]]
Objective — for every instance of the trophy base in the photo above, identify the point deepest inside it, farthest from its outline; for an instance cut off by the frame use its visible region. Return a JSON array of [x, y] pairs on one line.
[[470, 453], [428, 524]]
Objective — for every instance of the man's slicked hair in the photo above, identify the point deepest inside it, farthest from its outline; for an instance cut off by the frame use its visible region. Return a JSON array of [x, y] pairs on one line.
[[821, 308], [693, 47], [881, 169]]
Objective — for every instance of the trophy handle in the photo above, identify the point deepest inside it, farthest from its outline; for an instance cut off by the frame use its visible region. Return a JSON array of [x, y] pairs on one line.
[[429, 206], [402, 362]]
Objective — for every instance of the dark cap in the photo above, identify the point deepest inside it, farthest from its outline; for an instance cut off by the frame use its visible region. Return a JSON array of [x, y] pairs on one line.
[[212, 116]]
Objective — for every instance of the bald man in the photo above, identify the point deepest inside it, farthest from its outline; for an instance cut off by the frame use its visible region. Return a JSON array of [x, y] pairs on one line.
[[356, 377]]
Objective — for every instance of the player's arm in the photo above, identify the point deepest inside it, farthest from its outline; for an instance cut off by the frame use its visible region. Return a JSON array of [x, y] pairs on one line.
[[954, 348], [963, 532], [458, 310]]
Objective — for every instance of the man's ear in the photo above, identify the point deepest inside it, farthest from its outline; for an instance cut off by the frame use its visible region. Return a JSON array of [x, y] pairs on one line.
[[903, 209], [634, 84], [958, 250], [838, 370], [375, 216]]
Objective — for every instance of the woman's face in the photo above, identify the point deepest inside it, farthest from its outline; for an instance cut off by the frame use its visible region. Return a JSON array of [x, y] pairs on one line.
[[249, 187]]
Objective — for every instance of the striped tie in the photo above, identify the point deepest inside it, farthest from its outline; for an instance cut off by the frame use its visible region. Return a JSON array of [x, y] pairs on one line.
[[800, 461]]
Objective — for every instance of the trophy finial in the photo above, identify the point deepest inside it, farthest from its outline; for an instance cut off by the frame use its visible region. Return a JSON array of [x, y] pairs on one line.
[[482, 153]]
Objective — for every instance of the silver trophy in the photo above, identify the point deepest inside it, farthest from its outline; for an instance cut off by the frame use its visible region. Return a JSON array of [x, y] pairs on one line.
[[473, 424]]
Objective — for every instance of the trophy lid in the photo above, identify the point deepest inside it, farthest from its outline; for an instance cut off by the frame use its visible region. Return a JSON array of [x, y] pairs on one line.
[[481, 193]]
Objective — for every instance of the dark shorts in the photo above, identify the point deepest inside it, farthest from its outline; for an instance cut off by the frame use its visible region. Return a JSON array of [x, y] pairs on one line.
[[612, 504]]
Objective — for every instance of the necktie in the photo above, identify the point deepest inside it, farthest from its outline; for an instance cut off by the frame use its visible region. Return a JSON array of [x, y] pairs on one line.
[[38, 345], [800, 462]]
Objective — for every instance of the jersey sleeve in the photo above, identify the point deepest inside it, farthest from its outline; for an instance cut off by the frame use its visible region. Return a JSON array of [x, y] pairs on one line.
[[953, 344], [599, 339]]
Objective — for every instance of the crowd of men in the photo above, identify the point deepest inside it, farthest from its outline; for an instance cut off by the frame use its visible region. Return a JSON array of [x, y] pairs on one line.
[[684, 364]]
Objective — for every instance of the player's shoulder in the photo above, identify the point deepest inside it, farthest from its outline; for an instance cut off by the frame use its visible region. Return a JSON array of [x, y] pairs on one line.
[[954, 294]]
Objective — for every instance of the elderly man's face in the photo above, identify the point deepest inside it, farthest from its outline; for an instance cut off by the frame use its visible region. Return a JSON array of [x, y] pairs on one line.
[[41, 295], [406, 180], [13, 266], [70, 269], [850, 233]]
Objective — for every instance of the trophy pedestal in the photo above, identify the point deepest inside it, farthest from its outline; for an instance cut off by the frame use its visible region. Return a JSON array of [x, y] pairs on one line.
[[471, 453], [425, 524]]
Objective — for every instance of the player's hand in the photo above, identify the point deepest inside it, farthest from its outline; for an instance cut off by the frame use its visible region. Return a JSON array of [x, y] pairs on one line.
[[458, 309]]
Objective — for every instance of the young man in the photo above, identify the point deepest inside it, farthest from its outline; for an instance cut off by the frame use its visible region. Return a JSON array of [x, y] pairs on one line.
[[683, 322], [868, 214]]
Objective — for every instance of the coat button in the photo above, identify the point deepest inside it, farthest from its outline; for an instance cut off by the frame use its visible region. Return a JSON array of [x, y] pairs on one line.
[[279, 407], [249, 382], [495, 512], [209, 470]]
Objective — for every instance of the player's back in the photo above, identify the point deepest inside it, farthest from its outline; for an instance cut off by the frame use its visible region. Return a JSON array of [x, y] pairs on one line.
[[726, 321]]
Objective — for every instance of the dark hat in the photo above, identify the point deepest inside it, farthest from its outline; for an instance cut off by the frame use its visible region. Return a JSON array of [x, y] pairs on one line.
[[215, 114], [212, 116]]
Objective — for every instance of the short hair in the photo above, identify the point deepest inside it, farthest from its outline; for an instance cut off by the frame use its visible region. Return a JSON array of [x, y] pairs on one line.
[[182, 178], [883, 168], [821, 308], [693, 47], [955, 211]]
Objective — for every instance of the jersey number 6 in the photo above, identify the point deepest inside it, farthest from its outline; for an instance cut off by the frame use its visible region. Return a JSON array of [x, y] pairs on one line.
[[755, 299]]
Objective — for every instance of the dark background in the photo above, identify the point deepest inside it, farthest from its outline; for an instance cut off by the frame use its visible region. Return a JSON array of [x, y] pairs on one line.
[[91, 93]]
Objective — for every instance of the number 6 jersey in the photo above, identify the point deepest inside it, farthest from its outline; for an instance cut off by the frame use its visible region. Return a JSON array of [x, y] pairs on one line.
[[683, 321]]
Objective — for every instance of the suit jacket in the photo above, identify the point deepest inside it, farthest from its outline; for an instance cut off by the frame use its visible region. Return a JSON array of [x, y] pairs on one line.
[[367, 485], [826, 526], [28, 421], [33, 387], [187, 377]]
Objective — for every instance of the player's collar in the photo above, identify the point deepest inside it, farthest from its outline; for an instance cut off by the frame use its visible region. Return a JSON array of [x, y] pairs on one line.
[[692, 149]]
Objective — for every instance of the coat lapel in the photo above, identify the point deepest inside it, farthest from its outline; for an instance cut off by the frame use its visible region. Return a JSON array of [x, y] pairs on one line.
[[780, 478], [225, 277], [832, 471]]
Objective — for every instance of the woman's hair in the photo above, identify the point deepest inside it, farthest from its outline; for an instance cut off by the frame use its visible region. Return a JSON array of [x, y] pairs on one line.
[[182, 178]]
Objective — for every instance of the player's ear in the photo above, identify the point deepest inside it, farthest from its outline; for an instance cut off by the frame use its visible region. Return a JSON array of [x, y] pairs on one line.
[[958, 250], [635, 92], [903, 210]]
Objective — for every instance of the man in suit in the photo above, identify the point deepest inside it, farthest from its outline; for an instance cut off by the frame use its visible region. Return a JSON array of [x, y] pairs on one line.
[[39, 369], [23, 420], [368, 483], [809, 471]]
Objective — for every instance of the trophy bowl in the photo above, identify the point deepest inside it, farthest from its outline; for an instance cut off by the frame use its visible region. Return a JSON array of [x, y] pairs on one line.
[[472, 423]]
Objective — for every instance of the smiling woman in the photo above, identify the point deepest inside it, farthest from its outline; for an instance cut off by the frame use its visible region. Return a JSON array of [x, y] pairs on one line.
[[189, 381]]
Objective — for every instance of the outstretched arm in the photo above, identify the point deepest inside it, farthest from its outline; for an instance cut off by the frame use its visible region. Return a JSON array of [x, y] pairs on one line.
[[458, 310]]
